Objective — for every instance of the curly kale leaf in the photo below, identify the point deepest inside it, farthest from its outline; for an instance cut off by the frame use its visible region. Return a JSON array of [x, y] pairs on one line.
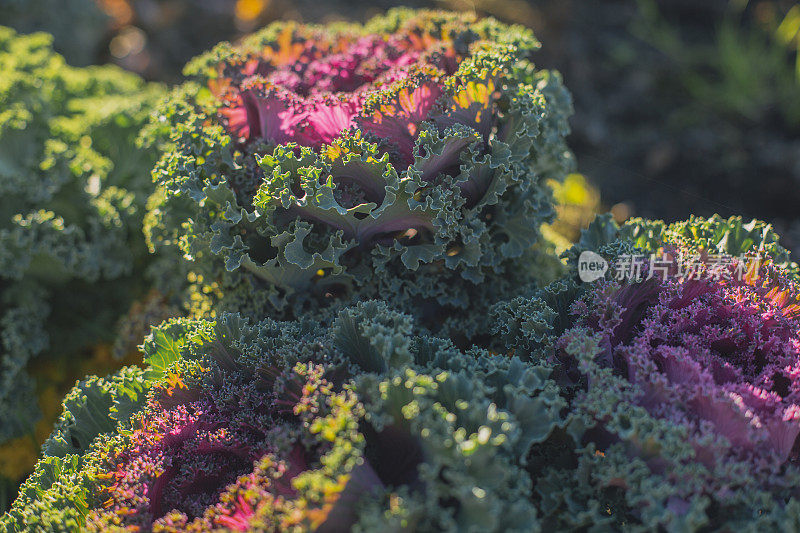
[[421, 173]]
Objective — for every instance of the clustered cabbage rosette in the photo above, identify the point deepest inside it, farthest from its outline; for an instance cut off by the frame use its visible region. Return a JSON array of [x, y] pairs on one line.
[[682, 388], [230, 456], [405, 157], [687, 398], [293, 427], [403, 161]]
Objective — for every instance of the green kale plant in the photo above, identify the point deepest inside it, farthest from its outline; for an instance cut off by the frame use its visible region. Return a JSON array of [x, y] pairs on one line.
[[73, 185]]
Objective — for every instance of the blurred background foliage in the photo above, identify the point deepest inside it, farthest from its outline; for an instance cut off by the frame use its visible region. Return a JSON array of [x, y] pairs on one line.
[[681, 107], [77, 284]]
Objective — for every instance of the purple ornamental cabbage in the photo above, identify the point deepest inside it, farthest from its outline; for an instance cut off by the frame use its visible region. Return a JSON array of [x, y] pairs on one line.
[[689, 390], [722, 352], [323, 166], [280, 426], [231, 457]]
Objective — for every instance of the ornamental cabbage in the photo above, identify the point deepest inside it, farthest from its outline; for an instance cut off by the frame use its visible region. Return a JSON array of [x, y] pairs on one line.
[[684, 389], [360, 209], [291, 426], [310, 167]]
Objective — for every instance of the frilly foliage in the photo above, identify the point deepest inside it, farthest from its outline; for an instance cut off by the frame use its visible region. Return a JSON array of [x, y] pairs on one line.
[[682, 389], [72, 190], [368, 200], [311, 167], [292, 426], [697, 235]]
